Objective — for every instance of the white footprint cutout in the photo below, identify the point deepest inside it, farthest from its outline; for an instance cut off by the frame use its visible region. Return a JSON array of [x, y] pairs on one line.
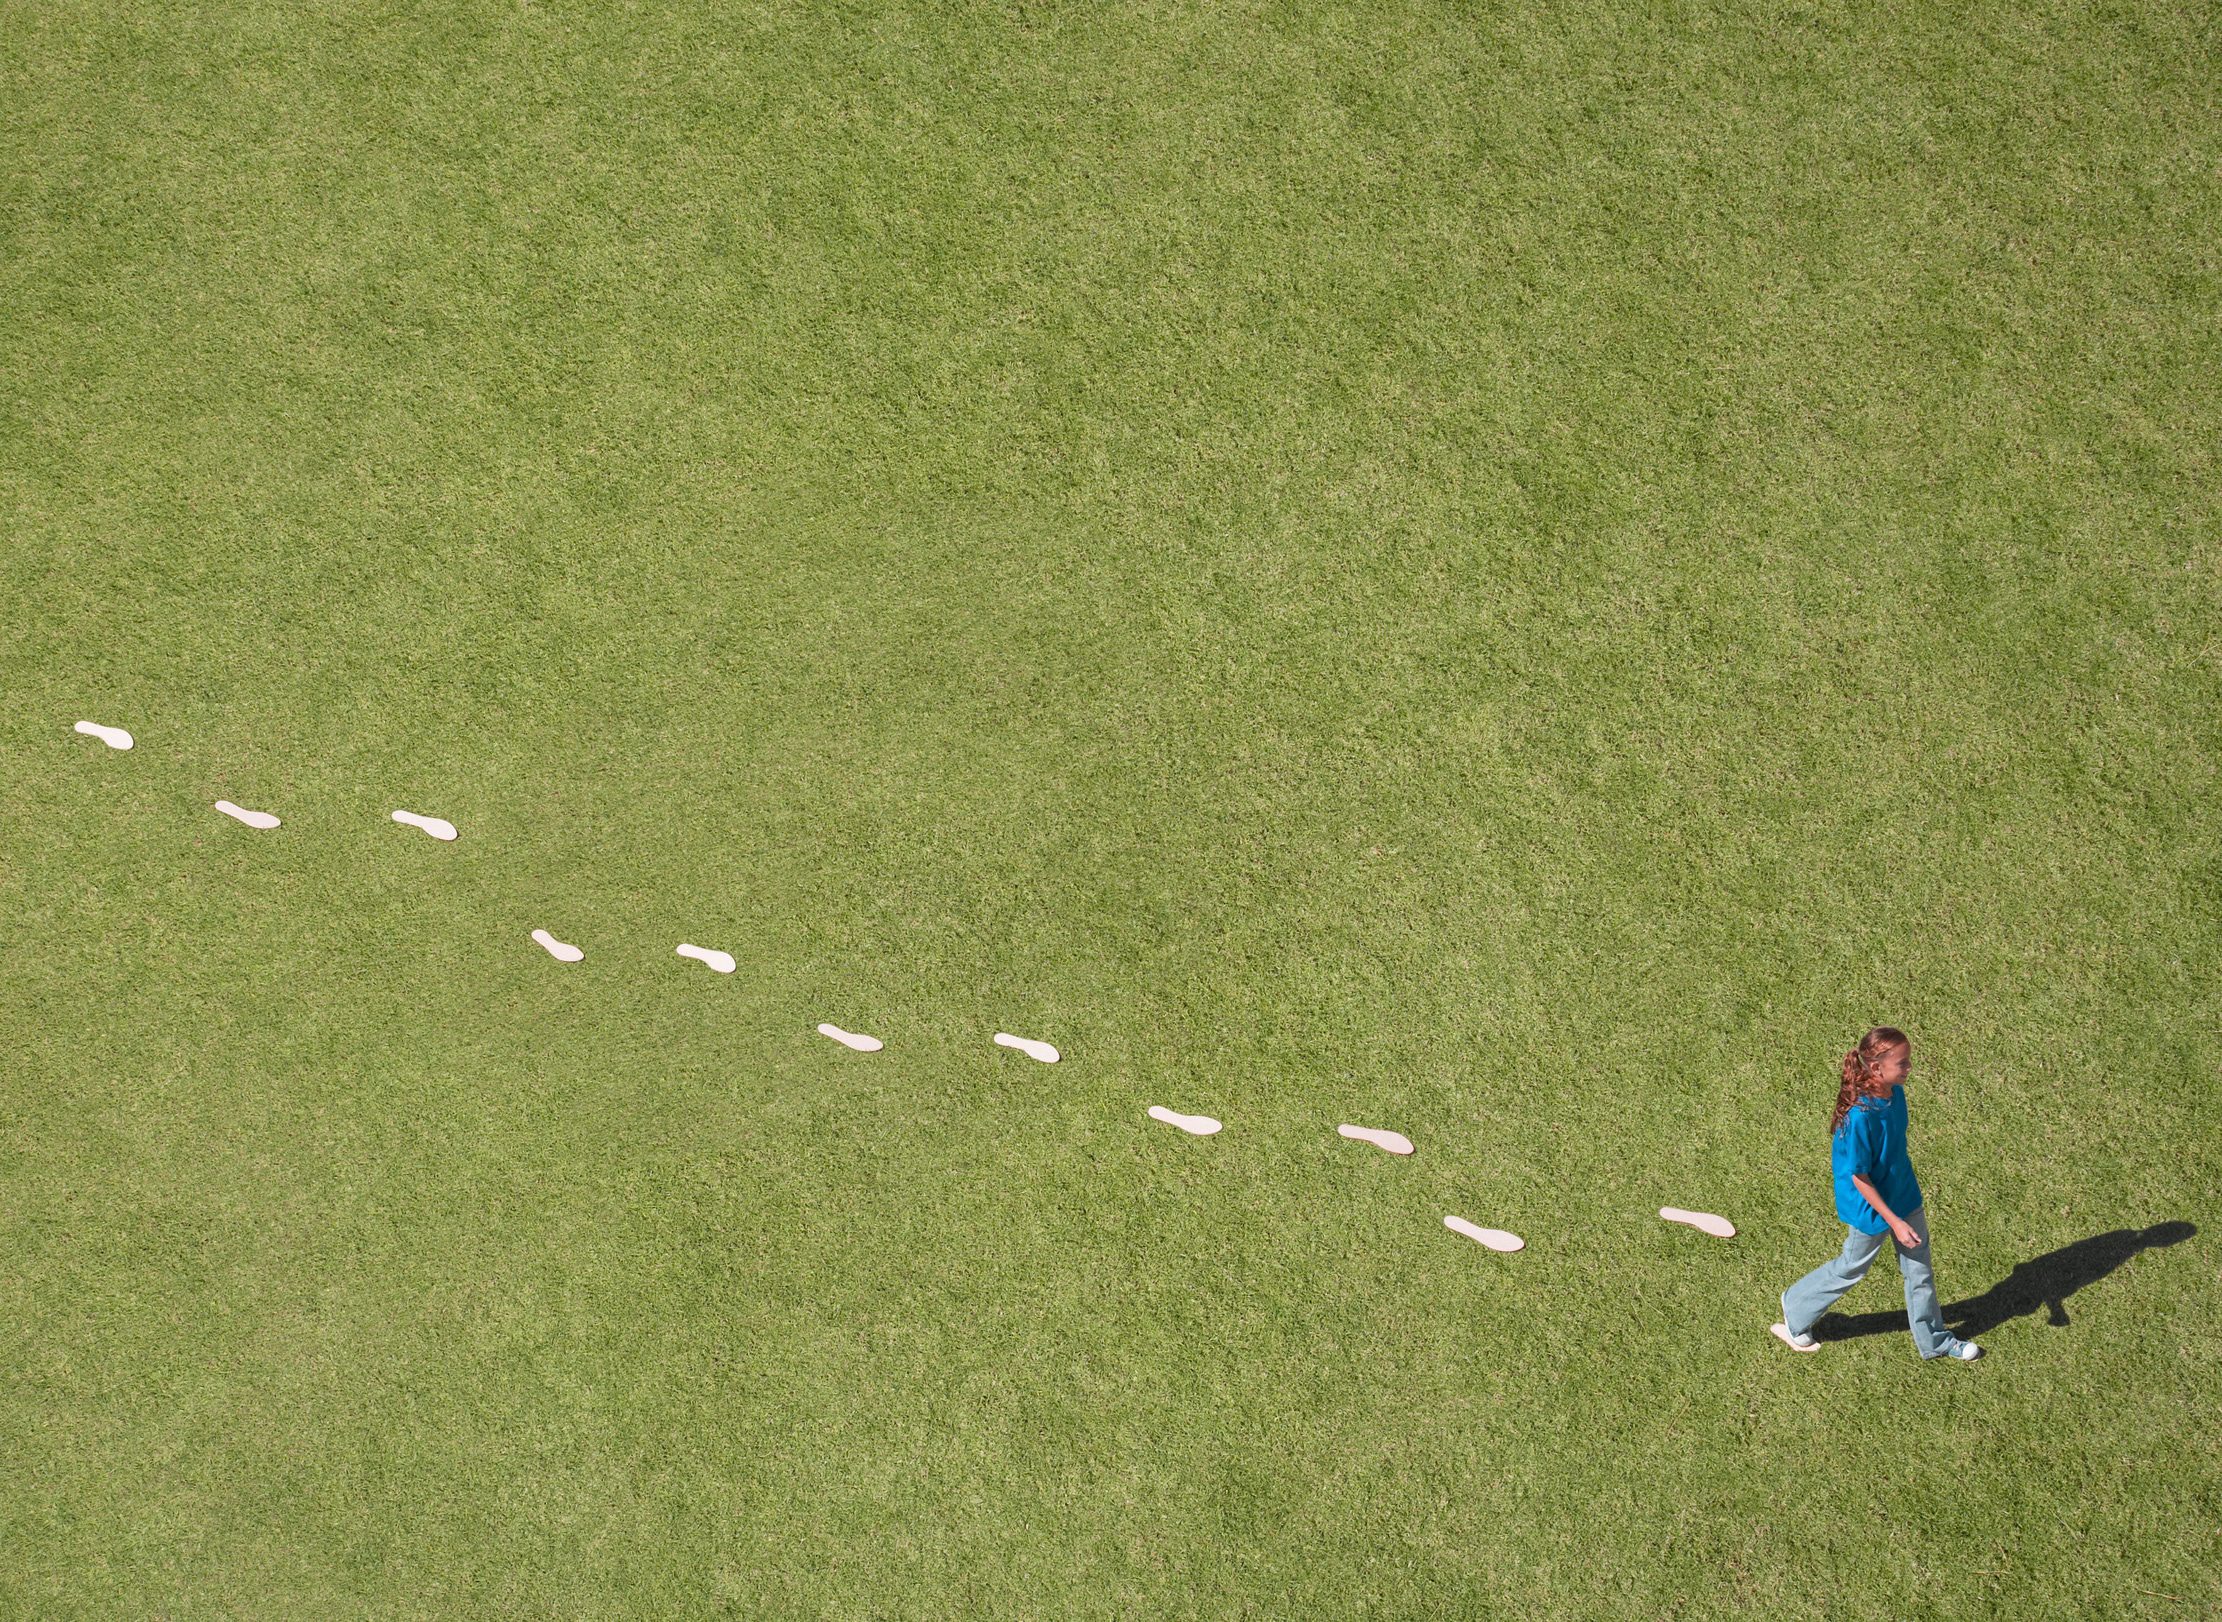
[[1201, 1126], [1033, 1050], [561, 951], [1703, 1221], [1494, 1238], [113, 737], [852, 1039], [253, 819], [1380, 1137], [437, 827], [720, 961]]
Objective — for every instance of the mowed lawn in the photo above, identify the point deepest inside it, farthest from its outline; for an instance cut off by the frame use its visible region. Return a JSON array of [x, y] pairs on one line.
[[1518, 575]]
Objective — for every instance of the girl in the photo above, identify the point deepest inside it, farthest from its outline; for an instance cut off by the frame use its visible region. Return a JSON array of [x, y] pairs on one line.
[[1875, 1194]]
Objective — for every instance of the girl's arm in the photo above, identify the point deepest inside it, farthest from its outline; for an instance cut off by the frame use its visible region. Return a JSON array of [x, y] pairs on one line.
[[1900, 1229]]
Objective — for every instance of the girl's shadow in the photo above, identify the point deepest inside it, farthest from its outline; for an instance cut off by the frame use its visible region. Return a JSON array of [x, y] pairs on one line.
[[2046, 1282]]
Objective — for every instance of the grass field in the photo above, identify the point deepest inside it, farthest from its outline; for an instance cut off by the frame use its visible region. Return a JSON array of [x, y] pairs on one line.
[[1516, 575]]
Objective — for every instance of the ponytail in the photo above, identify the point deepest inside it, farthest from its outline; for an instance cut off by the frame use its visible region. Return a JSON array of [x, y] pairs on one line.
[[1855, 1071], [1858, 1070]]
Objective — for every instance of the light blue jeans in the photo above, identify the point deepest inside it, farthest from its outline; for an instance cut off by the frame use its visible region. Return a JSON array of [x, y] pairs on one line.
[[1805, 1301]]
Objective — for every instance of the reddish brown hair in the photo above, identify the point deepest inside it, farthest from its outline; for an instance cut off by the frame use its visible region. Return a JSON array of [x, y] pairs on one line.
[[1858, 1069]]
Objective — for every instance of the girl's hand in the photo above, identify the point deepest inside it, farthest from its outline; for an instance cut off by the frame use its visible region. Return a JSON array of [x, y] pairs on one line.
[[1902, 1231]]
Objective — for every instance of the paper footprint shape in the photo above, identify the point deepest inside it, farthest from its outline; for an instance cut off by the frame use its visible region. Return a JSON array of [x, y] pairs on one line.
[[1033, 1050], [1703, 1221], [1494, 1238], [720, 961], [561, 951], [113, 737], [253, 819], [852, 1039], [437, 827], [1380, 1137], [1201, 1126]]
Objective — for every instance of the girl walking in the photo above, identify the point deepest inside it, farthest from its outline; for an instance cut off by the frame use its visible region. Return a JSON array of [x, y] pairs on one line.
[[1876, 1194]]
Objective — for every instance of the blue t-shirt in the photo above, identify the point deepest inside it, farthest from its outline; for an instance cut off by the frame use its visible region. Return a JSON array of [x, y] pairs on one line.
[[1871, 1143]]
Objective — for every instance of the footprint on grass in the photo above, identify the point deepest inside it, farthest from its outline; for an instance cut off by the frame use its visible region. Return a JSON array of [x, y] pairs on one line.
[[1494, 1238], [113, 737], [561, 951], [1202, 1126], [437, 827], [1703, 1221]]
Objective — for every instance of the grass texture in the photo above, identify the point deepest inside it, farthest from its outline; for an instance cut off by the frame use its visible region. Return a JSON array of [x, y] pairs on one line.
[[1519, 575]]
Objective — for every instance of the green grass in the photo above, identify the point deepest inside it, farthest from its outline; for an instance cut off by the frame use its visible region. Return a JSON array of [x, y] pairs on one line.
[[1516, 575]]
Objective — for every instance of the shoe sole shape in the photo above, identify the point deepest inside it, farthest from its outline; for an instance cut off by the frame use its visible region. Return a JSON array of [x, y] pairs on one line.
[[1495, 1238], [1703, 1221], [1202, 1126]]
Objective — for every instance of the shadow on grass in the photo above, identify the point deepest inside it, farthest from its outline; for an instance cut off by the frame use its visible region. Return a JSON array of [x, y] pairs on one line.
[[2046, 1282]]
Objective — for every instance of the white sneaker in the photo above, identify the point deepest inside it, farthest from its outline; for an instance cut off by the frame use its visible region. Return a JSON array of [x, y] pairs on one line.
[[1965, 1350], [1796, 1343]]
